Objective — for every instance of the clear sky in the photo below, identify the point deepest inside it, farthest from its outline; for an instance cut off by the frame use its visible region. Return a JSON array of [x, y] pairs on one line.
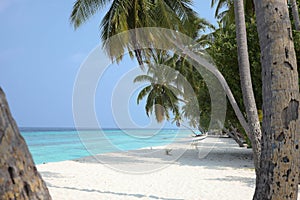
[[41, 54]]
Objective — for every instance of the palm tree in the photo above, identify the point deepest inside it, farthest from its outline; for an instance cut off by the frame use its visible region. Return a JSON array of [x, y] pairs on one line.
[[19, 177], [124, 15], [246, 82], [167, 87], [162, 93], [295, 12], [225, 10], [278, 177], [192, 104], [225, 16], [245, 75]]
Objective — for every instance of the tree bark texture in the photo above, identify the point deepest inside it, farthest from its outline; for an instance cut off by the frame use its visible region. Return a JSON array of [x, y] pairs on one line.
[[19, 178], [278, 178], [246, 83]]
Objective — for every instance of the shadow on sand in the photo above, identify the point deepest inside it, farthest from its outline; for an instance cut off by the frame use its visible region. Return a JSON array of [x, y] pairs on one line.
[[112, 193]]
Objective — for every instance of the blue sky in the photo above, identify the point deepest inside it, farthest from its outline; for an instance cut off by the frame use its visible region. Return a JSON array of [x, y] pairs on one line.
[[40, 56]]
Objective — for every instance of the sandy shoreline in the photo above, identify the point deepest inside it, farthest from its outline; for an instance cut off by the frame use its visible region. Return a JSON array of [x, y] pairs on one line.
[[223, 172]]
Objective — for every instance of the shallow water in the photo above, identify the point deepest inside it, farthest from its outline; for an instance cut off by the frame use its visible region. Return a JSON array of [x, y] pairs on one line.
[[58, 145]]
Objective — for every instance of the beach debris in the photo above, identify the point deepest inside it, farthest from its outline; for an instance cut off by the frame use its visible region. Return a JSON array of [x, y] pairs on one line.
[[168, 151]]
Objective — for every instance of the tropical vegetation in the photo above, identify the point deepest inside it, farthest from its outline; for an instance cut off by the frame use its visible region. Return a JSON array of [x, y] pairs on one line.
[[264, 47]]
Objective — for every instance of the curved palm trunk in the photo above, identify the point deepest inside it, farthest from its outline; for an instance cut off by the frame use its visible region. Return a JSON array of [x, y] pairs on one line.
[[278, 177], [222, 81], [246, 83], [295, 14]]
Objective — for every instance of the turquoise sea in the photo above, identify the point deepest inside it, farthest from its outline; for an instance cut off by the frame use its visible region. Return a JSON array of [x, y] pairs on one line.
[[62, 144]]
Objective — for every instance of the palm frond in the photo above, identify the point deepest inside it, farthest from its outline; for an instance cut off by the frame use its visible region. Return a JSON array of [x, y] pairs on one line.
[[143, 93], [221, 5], [84, 9], [182, 9], [113, 23], [165, 15], [150, 102], [175, 91], [144, 78]]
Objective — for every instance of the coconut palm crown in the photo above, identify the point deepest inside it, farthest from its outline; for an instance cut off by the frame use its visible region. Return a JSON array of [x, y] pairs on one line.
[[162, 93], [124, 15]]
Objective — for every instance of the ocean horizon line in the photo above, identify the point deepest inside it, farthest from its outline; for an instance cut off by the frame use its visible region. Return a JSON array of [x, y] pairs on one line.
[[28, 129]]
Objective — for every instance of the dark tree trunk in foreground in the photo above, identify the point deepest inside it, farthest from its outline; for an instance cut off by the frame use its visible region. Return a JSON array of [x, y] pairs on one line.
[[19, 178], [246, 83], [278, 178]]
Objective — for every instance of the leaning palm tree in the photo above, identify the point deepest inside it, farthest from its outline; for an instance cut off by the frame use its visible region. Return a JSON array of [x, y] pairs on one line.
[[192, 86], [246, 82], [124, 15], [171, 87], [245, 75]]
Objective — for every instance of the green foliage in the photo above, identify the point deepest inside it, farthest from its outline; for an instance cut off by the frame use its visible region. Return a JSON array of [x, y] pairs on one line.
[[178, 15], [296, 35], [130, 14], [225, 11], [124, 15], [191, 109], [223, 50], [161, 94]]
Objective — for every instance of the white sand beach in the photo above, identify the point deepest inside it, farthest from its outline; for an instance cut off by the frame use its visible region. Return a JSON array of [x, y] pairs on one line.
[[223, 172]]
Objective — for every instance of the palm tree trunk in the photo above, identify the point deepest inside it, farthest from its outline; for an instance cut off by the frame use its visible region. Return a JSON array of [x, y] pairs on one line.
[[278, 177], [19, 177], [246, 83], [207, 65], [295, 14]]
